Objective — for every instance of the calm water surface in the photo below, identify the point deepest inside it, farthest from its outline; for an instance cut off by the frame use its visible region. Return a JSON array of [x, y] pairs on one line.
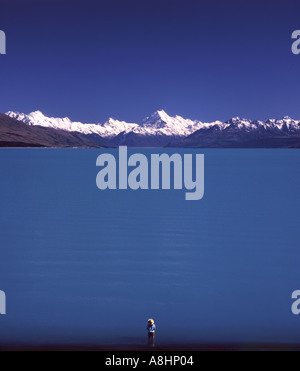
[[83, 266]]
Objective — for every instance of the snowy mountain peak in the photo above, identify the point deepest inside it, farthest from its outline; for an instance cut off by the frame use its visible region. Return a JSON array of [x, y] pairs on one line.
[[157, 116], [237, 120], [37, 113], [161, 113]]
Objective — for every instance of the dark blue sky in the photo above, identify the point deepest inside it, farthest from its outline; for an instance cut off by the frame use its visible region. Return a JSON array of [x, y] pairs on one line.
[[206, 60]]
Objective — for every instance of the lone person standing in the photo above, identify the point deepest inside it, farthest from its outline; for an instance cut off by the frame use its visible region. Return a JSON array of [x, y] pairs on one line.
[[151, 328]]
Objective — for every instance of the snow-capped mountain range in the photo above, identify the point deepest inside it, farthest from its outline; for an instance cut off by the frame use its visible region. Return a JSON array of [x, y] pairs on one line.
[[159, 123], [160, 129]]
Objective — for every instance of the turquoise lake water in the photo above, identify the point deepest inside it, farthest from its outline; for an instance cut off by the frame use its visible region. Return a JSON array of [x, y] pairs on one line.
[[80, 265]]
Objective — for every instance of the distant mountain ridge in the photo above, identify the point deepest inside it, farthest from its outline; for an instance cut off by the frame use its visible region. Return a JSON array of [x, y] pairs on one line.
[[14, 133], [160, 129]]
